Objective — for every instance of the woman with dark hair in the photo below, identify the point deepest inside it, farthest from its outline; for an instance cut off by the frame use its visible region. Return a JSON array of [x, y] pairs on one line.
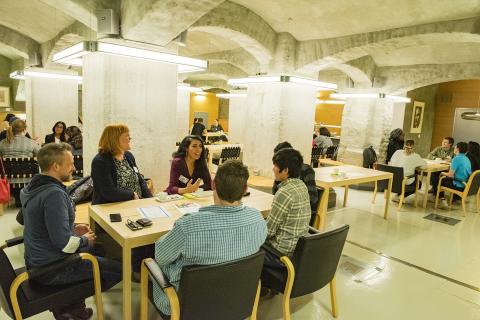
[[395, 142], [323, 139], [473, 154], [189, 167], [74, 138], [58, 134]]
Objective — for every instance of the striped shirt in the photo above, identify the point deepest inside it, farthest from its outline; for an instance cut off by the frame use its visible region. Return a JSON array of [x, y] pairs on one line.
[[213, 235], [289, 217], [21, 147]]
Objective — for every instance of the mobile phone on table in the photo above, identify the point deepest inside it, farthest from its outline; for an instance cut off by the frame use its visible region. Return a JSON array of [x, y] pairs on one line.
[[115, 217]]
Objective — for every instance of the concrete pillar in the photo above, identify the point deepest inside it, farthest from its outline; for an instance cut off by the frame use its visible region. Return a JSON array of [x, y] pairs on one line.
[[285, 53], [139, 93], [237, 124], [183, 112], [48, 101], [276, 112], [367, 122]]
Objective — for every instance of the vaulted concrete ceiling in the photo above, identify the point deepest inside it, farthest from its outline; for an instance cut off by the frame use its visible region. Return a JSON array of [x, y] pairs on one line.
[[200, 43]]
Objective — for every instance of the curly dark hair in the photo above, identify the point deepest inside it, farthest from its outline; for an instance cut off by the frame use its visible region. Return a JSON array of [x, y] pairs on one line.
[[183, 147]]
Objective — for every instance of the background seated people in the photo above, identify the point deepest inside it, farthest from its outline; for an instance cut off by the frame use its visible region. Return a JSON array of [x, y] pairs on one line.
[[323, 139], [473, 154], [444, 152], [189, 167], [198, 129], [74, 138], [9, 118], [215, 127], [114, 171], [307, 175], [395, 142], [409, 161], [460, 170], [290, 215], [225, 231], [58, 134], [50, 234], [17, 144]]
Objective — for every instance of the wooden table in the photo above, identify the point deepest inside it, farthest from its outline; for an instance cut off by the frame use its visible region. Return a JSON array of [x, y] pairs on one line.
[[432, 166], [329, 162], [325, 178], [128, 239]]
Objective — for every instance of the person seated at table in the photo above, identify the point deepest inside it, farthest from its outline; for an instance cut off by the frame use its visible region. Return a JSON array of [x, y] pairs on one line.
[[224, 231], [9, 118], [460, 170], [74, 139], [307, 175], [58, 134], [50, 234], [215, 127], [189, 170], [323, 139], [291, 213], [395, 142], [198, 129], [473, 154], [444, 152], [17, 144], [115, 173], [409, 160]]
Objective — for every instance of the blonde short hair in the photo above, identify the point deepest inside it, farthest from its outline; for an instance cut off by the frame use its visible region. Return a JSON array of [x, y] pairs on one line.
[[110, 139]]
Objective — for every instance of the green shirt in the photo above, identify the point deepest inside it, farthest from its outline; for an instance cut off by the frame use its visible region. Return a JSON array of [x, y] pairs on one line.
[[289, 217], [439, 152]]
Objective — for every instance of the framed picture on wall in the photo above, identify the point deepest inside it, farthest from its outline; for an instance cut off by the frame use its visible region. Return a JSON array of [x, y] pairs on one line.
[[4, 97], [417, 117]]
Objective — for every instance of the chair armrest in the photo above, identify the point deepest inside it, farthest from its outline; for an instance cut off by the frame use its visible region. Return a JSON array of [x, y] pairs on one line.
[[272, 250], [57, 265], [411, 176], [14, 241], [157, 274], [312, 230]]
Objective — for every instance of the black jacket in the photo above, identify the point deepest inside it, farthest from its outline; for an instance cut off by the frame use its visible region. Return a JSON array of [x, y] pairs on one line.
[[49, 138], [104, 175]]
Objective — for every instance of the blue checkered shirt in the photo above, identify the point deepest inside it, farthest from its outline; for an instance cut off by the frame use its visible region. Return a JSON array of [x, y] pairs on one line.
[[213, 235]]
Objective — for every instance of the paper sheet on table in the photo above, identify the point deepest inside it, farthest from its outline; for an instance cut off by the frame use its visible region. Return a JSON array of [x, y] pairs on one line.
[[189, 207], [154, 212]]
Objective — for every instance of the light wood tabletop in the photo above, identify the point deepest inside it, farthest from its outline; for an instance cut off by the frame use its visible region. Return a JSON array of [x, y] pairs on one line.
[[343, 176], [128, 239], [329, 162], [432, 166]]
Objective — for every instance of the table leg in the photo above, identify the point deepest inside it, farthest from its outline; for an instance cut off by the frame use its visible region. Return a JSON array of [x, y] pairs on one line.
[[127, 282], [345, 196], [387, 197], [322, 210], [427, 186]]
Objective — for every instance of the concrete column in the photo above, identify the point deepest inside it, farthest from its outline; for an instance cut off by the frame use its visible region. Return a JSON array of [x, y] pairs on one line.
[[276, 112], [237, 123], [183, 112], [285, 53], [48, 101], [139, 93], [367, 122]]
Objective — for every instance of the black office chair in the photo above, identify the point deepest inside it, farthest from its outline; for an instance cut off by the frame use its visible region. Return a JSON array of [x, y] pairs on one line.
[[399, 184], [312, 266], [227, 291], [21, 297]]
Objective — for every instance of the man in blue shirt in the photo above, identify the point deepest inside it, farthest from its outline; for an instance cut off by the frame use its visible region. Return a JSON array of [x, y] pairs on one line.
[[460, 169], [222, 232]]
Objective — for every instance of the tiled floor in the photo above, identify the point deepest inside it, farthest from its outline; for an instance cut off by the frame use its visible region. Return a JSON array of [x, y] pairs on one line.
[[413, 268]]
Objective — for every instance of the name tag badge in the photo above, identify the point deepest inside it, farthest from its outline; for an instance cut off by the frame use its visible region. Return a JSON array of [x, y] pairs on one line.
[[135, 169], [183, 179]]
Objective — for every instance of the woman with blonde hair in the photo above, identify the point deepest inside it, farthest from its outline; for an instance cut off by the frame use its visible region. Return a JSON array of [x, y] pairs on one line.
[[114, 170], [17, 144]]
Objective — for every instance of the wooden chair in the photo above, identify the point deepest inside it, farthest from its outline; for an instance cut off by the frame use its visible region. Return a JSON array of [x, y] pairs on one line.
[[20, 171], [228, 153], [229, 290], [312, 266], [472, 187], [332, 152], [78, 162], [317, 152], [399, 183], [20, 297]]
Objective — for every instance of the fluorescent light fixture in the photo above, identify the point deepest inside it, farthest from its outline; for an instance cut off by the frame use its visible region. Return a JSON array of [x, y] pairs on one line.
[[370, 96], [188, 87], [73, 54], [231, 95], [200, 93], [330, 101], [43, 74], [244, 82]]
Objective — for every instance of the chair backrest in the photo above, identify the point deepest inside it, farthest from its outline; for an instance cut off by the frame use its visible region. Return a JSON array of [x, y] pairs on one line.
[[316, 258], [397, 178], [473, 183], [317, 151], [7, 275], [78, 162], [221, 291], [230, 153], [332, 152], [20, 167]]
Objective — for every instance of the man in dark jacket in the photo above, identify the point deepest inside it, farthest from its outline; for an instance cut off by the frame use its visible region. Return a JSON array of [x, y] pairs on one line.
[[50, 234]]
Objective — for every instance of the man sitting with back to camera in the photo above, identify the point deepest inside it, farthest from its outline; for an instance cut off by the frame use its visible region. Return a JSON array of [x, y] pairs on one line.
[[50, 234], [225, 231]]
